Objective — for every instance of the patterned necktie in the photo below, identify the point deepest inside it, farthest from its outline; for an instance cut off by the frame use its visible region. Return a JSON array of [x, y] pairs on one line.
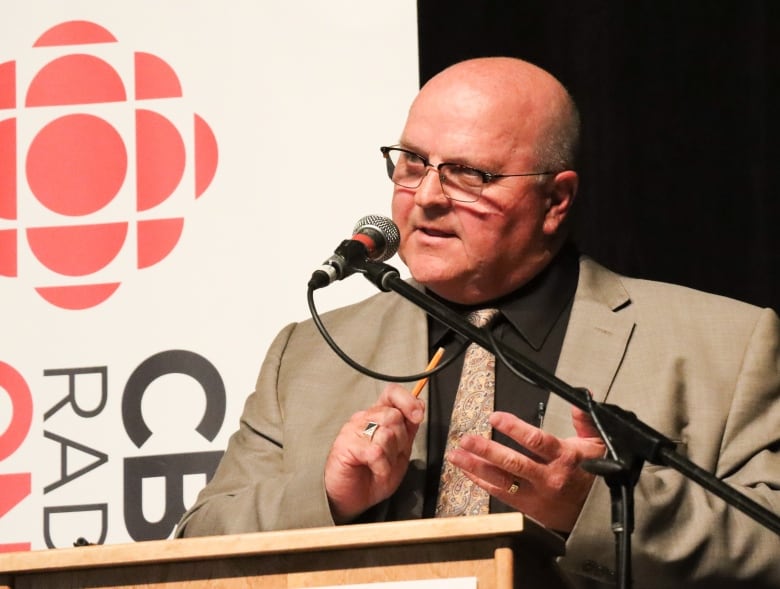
[[473, 403]]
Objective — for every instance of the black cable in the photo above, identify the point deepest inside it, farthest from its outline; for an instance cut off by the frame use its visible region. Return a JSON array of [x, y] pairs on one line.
[[359, 367], [589, 400], [506, 362], [597, 422]]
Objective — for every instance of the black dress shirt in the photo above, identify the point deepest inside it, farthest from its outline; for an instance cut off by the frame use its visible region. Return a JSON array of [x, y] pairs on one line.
[[532, 321]]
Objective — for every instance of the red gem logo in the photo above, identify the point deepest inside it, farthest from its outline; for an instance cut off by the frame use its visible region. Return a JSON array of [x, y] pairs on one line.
[[80, 166]]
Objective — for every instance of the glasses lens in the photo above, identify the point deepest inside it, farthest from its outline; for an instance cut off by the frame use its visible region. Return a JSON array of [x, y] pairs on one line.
[[461, 183], [404, 168]]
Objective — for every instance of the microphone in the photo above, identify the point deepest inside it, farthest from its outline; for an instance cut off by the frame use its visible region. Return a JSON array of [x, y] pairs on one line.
[[374, 239]]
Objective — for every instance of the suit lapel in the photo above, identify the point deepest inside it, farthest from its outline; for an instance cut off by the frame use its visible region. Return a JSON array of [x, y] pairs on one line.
[[596, 340]]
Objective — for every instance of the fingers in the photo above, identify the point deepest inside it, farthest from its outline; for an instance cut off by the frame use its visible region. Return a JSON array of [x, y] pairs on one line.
[[495, 464], [498, 468], [548, 483], [396, 415], [539, 443], [382, 432], [383, 435], [394, 421], [397, 397], [552, 493], [583, 424]]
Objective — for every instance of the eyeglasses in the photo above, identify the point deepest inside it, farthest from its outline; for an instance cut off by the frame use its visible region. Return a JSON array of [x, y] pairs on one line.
[[458, 182]]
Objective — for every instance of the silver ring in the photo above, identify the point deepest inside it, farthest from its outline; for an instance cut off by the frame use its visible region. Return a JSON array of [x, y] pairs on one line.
[[370, 430], [513, 488]]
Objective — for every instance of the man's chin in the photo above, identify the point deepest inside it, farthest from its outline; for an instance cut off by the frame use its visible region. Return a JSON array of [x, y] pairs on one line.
[[446, 287], [432, 271]]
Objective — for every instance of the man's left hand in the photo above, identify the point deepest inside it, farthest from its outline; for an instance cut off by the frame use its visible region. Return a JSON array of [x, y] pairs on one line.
[[551, 487]]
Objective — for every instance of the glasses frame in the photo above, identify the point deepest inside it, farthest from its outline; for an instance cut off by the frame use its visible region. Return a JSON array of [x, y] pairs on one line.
[[487, 177]]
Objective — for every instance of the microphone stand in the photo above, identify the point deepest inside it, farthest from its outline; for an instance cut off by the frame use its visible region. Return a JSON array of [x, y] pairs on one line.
[[634, 441]]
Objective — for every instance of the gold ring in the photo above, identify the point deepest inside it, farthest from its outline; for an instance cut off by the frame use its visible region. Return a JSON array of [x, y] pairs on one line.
[[370, 430], [513, 488]]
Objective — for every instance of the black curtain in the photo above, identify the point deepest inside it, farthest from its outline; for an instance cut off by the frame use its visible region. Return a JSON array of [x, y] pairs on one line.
[[679, 104]]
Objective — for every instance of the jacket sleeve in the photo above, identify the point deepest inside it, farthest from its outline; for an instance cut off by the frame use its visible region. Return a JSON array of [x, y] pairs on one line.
[[251, 489]]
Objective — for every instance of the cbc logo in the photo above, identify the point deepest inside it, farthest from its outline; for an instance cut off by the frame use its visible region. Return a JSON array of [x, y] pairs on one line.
[[97, 164]]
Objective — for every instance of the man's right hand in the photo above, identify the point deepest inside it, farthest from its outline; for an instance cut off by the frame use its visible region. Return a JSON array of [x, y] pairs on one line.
[[361, 471]]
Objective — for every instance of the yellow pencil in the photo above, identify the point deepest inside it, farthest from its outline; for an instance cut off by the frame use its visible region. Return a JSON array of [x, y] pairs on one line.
[[431, 365]]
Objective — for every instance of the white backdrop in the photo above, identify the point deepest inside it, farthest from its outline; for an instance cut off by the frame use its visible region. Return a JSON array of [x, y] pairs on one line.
[[298, 95]]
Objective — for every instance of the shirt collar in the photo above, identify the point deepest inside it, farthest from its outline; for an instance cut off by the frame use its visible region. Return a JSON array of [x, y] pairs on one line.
[[533, 309]]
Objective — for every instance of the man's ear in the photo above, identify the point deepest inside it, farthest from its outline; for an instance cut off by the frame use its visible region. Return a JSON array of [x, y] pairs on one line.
[[560, 199]]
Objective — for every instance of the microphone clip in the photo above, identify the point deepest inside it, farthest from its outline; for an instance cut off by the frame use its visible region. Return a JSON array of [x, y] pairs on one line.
[[349, 257]]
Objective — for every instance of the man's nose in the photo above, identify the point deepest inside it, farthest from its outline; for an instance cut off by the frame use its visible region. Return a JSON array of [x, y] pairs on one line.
[[430, 192]]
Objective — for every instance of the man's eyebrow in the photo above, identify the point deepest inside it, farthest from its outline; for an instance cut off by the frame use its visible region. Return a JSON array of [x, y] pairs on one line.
[[461, 161], [403, 144]]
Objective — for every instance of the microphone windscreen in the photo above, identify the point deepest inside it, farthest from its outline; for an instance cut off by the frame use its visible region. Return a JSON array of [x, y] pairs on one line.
[[384, 232]]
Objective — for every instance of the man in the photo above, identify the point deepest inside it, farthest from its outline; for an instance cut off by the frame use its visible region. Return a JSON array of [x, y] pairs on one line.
[[483, 191]]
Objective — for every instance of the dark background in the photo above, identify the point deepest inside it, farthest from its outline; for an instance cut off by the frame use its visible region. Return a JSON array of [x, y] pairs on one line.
[[679, 106]]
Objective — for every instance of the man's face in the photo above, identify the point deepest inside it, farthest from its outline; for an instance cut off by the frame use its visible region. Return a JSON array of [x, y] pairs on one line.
[[473, 252]]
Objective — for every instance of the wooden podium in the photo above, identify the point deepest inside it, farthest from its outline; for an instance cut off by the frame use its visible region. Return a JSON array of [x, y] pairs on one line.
[[499, 551]]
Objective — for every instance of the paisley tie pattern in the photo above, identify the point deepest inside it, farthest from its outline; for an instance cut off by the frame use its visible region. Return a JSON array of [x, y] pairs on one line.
[[473, 403]]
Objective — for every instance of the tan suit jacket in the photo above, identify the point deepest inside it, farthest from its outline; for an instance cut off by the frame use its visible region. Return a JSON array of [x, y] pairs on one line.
[[703, 370]]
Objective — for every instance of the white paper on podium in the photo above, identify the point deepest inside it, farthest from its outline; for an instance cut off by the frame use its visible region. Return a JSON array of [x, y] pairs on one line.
[[457, 583]]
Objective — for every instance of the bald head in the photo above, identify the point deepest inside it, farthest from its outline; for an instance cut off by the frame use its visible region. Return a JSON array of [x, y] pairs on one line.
[[528, 101]]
